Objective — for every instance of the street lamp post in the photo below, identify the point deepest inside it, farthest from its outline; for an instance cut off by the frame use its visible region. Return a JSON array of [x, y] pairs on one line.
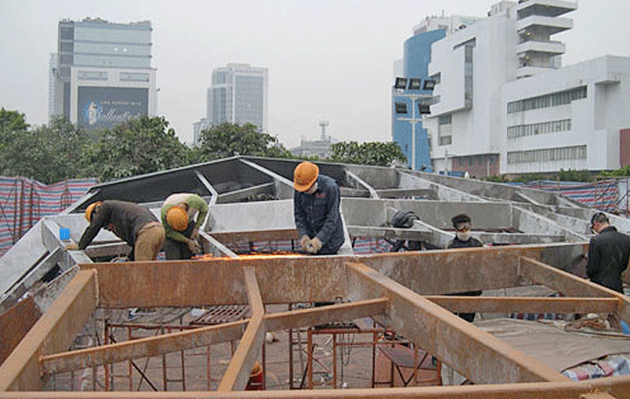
[[414, 84]]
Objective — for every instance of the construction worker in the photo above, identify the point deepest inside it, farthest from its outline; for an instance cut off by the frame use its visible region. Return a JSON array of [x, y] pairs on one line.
[[182, 216], [463, 239], [133, 223], [316, 210], [608, 253]]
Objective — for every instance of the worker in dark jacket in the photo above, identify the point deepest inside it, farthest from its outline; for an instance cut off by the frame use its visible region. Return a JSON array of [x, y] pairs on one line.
[[608, 253], [316, 210], [134, 224], [463, 239]]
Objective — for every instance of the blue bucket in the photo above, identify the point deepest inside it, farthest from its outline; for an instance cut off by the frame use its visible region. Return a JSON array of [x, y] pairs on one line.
[[64, 233]]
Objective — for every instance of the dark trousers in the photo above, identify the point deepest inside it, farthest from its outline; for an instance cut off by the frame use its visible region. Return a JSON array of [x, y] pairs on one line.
[[177, 249]]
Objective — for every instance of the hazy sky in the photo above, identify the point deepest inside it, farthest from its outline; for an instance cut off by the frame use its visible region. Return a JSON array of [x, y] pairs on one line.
[[327, 59]]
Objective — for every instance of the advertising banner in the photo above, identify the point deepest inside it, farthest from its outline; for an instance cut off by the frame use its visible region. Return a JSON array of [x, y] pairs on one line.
[[106, 107]]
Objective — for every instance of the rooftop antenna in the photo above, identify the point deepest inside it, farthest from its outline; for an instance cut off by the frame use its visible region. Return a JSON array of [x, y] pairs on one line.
[[323, 125]]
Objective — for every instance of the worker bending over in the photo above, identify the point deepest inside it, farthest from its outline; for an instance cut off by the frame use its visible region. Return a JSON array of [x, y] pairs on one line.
[[133, 223], [316, 210], [182, 216]]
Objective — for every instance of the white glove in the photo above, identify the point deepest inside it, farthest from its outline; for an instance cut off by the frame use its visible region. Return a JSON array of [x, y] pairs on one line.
[[194, 246], [304, 240], [314, 245]]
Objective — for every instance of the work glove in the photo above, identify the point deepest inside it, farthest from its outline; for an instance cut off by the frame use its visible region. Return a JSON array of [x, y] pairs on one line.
[[194, 246], [304, 240], [314, 245]]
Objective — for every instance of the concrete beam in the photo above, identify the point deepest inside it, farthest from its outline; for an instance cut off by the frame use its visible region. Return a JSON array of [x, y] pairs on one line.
[[238, 195], [362, 183]]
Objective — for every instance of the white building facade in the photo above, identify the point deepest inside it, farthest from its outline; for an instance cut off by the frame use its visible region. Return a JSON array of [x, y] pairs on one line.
[[504, 105], [101, 75], [238, 94]]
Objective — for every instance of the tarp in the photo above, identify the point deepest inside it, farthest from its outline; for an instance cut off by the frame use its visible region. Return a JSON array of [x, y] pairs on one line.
[[23, 202]]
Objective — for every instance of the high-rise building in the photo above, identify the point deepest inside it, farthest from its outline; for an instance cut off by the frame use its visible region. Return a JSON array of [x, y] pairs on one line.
[[238, 94], [503, 104], [101, 74]]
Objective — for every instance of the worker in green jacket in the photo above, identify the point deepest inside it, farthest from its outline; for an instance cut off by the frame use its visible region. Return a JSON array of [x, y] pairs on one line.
[[182, 215]]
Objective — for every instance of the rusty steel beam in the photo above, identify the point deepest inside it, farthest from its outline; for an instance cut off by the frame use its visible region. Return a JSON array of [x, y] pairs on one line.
[[326, 314], [281, 279], [566, 283], [486, 304], [572, 285], [474, 353], [616, 387], [256, 235], [142, 347], [205, 336], [238, 371], [52, 333], [468, 269]]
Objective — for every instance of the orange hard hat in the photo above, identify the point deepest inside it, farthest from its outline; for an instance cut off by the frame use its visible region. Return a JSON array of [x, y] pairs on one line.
[[304, 175], [90, 209], [177, 218]]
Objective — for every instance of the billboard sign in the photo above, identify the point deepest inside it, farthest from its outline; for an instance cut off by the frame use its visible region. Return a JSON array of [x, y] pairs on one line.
[[106, 107]]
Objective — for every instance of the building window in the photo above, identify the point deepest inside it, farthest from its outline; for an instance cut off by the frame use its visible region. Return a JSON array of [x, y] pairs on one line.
[[444, 130], [517, 131], [548, 100], [92, 75], [547, 154], [133, 77]]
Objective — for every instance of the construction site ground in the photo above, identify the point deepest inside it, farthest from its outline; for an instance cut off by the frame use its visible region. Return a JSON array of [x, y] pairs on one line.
[[201, 369]]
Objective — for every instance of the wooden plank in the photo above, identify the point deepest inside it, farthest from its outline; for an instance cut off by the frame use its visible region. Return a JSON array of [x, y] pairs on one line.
[[239, 369], [617, 387], [474, 353], [484, 304], [205, 336], [52, 333]]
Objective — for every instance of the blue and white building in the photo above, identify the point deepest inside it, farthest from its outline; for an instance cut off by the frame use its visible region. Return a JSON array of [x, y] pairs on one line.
[[415, 62], [503, 103]]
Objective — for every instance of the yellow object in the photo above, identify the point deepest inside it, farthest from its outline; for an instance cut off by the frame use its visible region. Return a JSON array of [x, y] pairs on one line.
[[304, 175], [90, 209], [177, 218]]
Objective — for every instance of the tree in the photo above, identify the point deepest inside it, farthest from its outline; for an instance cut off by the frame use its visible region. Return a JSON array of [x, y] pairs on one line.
[[135, 147], [47, 154], [229, 139], [372, 153], [12, 126]]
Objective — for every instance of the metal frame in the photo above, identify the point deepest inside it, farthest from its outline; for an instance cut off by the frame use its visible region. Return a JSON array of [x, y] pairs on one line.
[[388, 288]]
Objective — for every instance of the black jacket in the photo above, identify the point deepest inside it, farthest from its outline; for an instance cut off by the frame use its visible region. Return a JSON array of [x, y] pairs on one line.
[[318, 215], [608, 254], [121, 218]]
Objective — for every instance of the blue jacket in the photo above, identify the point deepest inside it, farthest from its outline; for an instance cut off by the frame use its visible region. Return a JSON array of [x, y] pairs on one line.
[[318, 215]]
